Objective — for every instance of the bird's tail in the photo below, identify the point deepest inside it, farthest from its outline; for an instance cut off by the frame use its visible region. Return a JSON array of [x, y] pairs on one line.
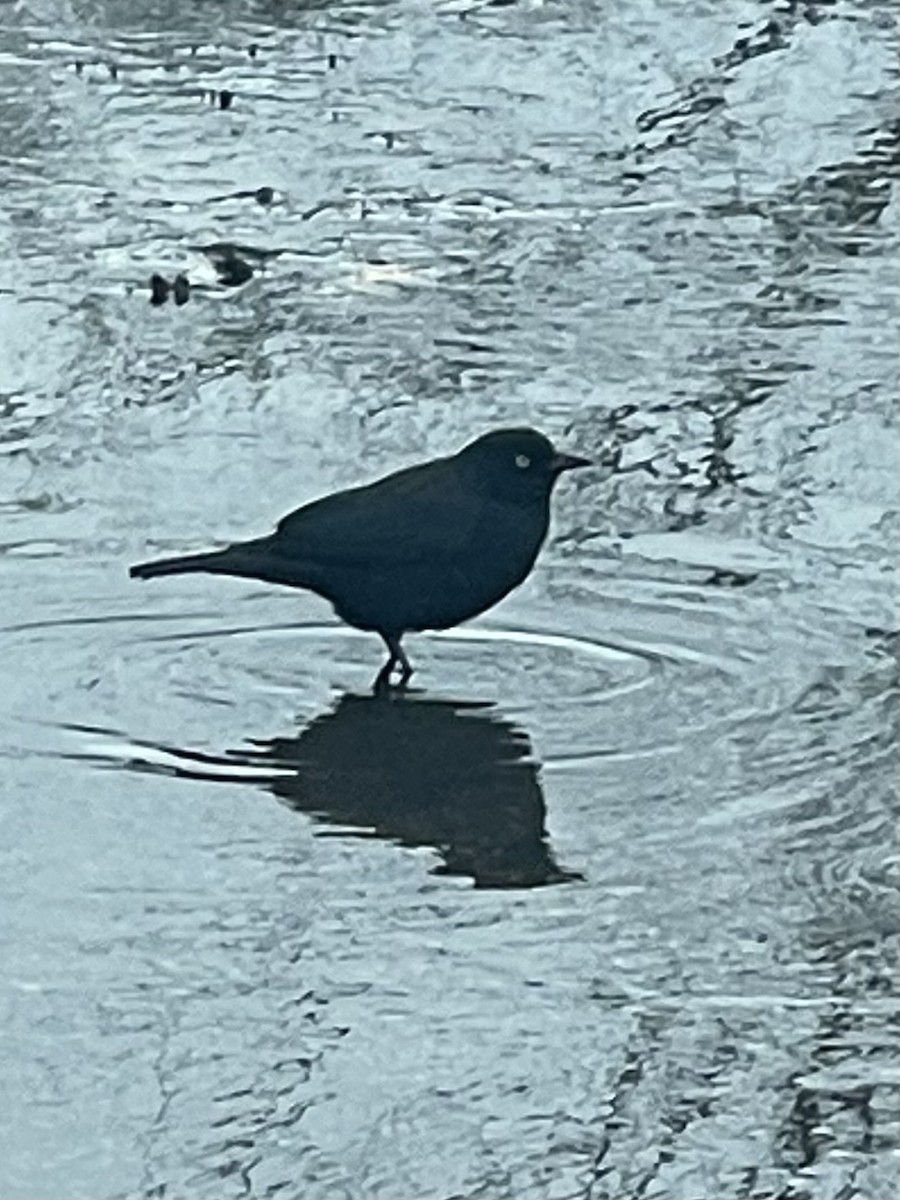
[[241, 559]]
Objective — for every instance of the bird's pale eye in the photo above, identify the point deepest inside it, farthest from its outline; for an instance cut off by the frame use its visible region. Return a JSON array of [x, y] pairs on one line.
[[523, 462]]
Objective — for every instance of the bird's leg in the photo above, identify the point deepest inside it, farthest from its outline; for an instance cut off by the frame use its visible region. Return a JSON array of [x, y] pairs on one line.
[[396, 656], [406, 669], [383, 678]]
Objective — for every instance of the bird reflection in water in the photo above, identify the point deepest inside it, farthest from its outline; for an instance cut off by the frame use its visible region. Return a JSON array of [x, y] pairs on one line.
[[421, 772]]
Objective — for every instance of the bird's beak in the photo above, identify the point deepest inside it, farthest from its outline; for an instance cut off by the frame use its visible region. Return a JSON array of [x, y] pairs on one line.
[[569, 462]]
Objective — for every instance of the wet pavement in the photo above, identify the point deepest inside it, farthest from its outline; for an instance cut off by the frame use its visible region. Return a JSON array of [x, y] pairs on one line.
[[607, 905]]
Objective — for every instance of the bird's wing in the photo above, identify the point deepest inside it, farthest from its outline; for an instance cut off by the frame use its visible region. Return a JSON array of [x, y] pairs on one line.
[[421, 514]]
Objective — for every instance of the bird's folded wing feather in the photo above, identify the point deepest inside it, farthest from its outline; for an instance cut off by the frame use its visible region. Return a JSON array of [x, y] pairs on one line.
[[418, 515]]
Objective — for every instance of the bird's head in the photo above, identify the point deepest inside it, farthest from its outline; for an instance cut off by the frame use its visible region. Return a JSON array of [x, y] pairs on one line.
[[516, 464]]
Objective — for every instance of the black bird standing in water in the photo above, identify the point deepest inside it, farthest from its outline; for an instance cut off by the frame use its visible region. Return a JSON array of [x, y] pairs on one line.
[[424, 548]]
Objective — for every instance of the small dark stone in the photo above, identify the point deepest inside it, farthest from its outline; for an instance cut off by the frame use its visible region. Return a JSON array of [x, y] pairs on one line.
[[225, 98], [264, 195], [230, 267], [159, 289], [181, 289], [253, 49], [332, 61], [234, 271]]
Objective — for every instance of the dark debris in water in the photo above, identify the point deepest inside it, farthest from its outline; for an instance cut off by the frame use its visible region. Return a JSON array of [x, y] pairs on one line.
[[181, 289], [264, 195], [160, 289], [723, 577], [235, 263], [223, 98], [232, 269]]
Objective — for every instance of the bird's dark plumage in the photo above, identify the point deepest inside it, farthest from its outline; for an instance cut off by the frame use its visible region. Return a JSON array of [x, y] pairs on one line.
[[424, 548]]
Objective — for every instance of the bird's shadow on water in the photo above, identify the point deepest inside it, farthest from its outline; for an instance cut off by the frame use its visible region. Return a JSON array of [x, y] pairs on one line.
[[419, 771]]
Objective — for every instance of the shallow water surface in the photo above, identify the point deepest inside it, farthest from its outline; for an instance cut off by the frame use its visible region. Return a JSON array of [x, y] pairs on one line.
[[606, 904]]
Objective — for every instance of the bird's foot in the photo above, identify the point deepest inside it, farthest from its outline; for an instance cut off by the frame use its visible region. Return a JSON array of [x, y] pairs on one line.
[[383, 682], [396, 658]]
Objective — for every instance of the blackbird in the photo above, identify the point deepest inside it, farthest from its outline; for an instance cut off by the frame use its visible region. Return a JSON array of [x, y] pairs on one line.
[[424, 548]]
